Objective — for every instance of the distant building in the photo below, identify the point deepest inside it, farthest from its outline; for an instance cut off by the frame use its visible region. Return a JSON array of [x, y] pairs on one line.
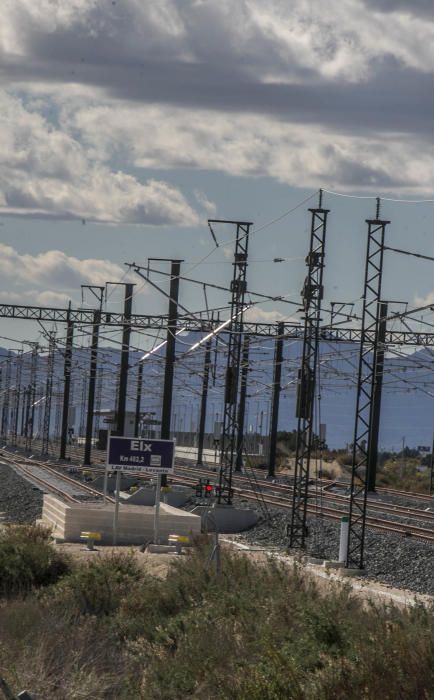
[[109, 420]]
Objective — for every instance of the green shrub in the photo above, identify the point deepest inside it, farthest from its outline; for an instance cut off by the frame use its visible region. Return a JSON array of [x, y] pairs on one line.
[[404, 476], [43, 650], [28, 560], [345, 459], [261, 632], [98, 587], [257, 631]]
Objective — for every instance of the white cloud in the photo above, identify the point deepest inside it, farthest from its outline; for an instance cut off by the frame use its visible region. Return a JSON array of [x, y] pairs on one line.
[[54, 270], [424, 301], [257, 315], [45, 171], [34, 297], [271, 40], [252, 145], [51, 298], [340, 98], [209, 207]]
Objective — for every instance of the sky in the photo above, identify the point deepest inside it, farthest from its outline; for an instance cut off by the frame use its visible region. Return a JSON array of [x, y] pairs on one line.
[[125, 124]]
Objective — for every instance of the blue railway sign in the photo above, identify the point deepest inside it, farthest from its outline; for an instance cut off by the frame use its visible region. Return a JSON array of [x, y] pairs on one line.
[[141, 455]]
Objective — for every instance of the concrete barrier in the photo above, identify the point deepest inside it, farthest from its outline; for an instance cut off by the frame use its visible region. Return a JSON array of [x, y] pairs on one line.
[[227, 519], [136, 523], [145, 496]]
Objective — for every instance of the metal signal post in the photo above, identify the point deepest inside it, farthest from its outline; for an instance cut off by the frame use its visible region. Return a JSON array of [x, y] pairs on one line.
[[17, 396], [6, 376], [242, 404], [125, 353], [30, 413], [48, 393], [138, 399], [169, 366], [66, 384], [431, 477], [312, 294], [98, 292], [274, 420], [372, 458], [203, 402]]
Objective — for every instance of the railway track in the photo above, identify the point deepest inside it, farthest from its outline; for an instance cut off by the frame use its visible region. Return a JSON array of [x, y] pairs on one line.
[[77, 452], [325, 484], [50, 479], [336, 514], [388, 491], [322, 495], [275, 495], [375, 523]]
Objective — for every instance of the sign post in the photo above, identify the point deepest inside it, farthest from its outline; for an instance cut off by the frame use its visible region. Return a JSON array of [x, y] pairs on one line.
[[106, 470], [116, 515], [140, 455], [157, 511]]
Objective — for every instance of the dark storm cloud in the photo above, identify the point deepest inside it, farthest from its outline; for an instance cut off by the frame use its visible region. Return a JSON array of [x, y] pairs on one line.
[[357, 175], [340, 89], [424, 8], [394, 99], [131, 33], [133, 56]]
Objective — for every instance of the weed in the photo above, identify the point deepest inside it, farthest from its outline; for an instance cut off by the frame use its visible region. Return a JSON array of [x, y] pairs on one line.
[[255, 632], [98, 587], [27, 560]]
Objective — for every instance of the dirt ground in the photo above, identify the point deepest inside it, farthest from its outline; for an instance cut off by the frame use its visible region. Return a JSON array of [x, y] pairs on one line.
[[154, 564], [315, 466], [158, 565], [362, 586]]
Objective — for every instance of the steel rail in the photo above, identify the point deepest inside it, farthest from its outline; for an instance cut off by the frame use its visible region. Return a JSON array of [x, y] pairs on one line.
[[18, 463], [273, 500], [392, 509], [334, 514], [287, 488]]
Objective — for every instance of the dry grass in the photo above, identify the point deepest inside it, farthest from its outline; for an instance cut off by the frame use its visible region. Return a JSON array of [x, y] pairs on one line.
[[27, 559], [109, 629], [152, 564], [404, 476]]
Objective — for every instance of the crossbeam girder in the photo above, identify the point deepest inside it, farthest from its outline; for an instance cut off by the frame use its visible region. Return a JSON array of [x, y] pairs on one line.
[[203, 325]]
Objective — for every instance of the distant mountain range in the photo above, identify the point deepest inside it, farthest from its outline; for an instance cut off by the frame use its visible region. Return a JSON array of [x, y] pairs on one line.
[[407, 407]]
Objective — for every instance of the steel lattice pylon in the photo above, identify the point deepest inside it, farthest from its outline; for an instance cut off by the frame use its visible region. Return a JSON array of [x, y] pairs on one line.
[[312, 295], [48, 393], [98, 400], [365, 389], [235, 333]]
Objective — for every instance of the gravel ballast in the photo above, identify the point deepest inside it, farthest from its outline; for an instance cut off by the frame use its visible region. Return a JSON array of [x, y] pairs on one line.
[[398, 561], [20, 502]]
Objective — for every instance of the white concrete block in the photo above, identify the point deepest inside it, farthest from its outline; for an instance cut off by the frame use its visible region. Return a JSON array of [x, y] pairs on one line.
[[135, 525]]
